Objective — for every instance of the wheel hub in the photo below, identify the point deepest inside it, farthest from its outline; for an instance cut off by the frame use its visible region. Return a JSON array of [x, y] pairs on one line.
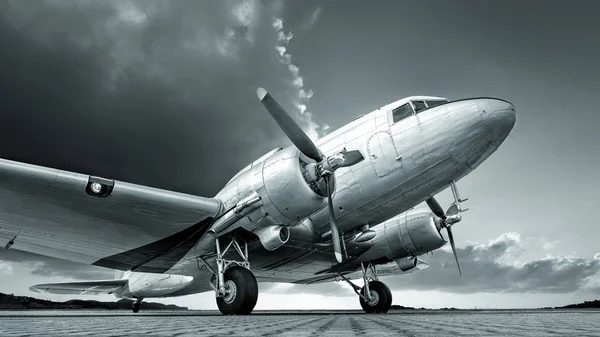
[[374, 298], [230, 291]]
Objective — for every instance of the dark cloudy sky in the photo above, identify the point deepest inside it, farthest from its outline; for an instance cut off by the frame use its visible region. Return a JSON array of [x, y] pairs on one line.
[[163, 94]]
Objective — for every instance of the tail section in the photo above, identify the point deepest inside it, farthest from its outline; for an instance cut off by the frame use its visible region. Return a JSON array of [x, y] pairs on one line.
[[125, 285], [82, 288]]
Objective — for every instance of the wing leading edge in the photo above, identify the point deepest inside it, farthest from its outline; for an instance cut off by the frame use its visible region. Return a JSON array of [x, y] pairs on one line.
[[48, 212]]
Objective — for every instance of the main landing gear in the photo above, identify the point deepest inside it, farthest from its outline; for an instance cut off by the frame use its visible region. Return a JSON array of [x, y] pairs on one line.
[[137, 304], [375, 297], [235, 286]]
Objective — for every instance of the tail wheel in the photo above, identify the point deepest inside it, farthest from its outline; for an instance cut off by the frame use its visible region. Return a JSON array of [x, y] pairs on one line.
[[381, 298], [241, 292]]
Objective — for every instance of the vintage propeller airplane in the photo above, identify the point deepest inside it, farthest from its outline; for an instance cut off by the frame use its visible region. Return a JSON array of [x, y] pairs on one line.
[[339, 209]]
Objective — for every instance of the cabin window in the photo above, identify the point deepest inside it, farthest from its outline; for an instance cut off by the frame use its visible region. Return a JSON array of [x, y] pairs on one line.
[[402, 112], [419, 106], [431, 104]]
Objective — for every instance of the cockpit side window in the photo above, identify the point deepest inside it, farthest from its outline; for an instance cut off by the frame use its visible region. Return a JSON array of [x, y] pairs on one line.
[[419, 105], [402, 112]]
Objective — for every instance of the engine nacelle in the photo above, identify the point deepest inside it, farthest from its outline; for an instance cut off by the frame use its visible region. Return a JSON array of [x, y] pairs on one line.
[[290, 198], [273, 237], [410, 234], [286, 196]]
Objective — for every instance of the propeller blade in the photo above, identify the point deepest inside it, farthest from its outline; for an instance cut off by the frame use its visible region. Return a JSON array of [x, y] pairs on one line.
[[289, 127], [335, 234], [435, 207], [352, 157], [451, 239]]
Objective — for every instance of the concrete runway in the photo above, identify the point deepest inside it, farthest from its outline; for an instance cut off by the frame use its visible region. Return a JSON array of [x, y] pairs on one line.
[[326, 323]]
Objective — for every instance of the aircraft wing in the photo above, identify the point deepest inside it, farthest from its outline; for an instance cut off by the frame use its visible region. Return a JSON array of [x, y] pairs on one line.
[[130, 227], [81, 288], [349, 270], [390, 269]]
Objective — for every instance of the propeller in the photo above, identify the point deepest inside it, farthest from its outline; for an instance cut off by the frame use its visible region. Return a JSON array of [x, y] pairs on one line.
[[326, 165], [449, 218]]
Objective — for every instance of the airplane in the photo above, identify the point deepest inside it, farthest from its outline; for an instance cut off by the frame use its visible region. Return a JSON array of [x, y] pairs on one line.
[[337, 209]]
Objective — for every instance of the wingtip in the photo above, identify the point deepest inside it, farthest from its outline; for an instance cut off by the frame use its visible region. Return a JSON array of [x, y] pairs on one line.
[[261, 93]]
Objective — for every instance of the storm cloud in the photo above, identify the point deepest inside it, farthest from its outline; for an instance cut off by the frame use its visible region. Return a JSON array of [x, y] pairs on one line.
[[163, 94], [495, 267], [151, 92]]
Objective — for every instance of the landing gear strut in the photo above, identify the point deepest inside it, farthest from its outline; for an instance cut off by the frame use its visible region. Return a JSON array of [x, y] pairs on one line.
[[235, 286], [137, 304], [374, 296]]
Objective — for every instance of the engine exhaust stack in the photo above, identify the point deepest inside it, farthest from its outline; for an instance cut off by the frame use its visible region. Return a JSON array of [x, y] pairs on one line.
[[406, 263], [273, 237]]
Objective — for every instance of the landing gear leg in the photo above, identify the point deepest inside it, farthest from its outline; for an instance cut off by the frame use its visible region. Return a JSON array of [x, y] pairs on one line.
[[374, 296], [236, 288], [137, 304]]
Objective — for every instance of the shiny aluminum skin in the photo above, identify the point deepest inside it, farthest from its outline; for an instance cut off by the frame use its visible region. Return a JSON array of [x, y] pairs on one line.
[[413, 233], [286, 197], [154, 285], [405, 163]]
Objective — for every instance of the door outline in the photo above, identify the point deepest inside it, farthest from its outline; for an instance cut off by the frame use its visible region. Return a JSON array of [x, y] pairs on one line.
[[383, 153]]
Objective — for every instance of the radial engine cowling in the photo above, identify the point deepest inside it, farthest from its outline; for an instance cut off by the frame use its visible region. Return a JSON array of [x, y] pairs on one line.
[[281, 183], [410, 234]]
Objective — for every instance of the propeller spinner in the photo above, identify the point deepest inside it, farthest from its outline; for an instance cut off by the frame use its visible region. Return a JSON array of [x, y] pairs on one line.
[[326, 165]]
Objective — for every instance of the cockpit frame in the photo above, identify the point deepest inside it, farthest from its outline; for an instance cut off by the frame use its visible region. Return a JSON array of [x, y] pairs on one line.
[[398, 110]]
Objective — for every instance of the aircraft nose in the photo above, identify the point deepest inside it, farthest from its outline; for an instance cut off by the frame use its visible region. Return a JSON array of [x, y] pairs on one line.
[[499, 117]]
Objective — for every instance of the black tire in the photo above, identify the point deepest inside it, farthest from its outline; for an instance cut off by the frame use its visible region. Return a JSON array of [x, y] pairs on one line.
[[246, 292], [136, 307], [382, 301], [389, 296]]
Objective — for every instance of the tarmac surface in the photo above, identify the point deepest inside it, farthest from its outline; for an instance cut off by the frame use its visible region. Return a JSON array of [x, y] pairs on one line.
[[321, 323]]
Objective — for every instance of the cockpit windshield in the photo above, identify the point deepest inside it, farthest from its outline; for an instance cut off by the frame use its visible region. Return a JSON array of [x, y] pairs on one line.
[[419, 105], [424, 105], [416, 105], [431, 104]]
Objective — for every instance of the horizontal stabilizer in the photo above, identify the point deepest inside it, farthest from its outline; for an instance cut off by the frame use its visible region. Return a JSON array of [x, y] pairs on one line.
[[81, 288]]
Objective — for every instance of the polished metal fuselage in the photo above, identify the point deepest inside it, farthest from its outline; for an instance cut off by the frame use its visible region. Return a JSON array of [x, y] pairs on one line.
[[405, 163]]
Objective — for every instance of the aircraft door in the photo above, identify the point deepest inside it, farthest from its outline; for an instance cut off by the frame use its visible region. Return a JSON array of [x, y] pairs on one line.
[[382, 153]]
